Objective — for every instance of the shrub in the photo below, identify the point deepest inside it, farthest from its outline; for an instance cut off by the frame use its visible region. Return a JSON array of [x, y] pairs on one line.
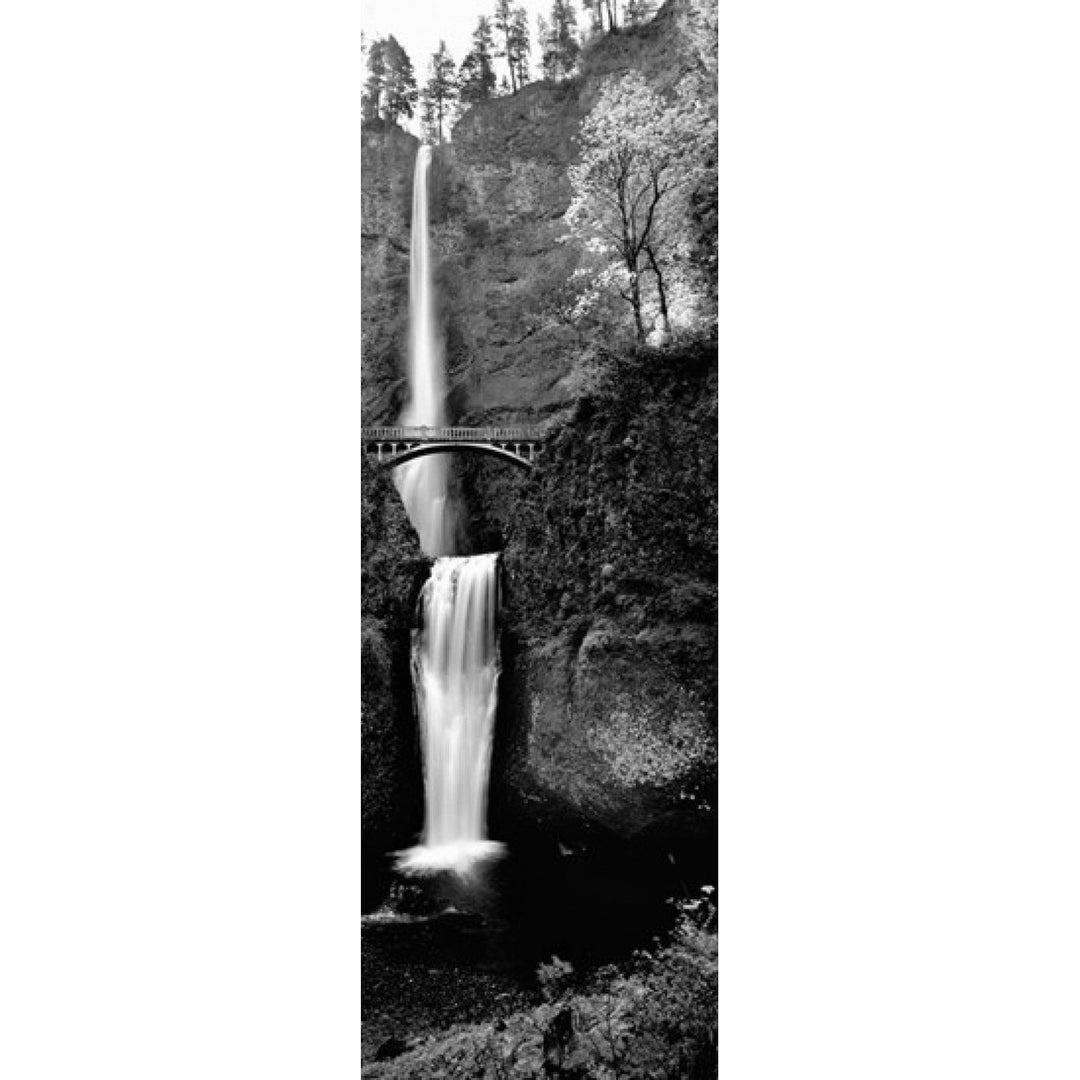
[[653, 1019]]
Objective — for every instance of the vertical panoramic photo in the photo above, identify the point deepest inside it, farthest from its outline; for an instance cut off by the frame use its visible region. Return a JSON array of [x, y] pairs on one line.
[[539, 490]]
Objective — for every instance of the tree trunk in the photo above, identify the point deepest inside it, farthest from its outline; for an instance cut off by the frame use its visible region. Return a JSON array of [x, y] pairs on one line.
[[661, 293], [635, 302]]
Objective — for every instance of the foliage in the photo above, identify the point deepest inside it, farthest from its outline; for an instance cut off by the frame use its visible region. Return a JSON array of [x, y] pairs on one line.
[[559, 47], [390, 89], [655, 1019], [513, 24], [554, 977], [638, 12], [520, 46], [476, 77], [371, 95], [640, 155], [598, 9], [439, 94], [629, 481]]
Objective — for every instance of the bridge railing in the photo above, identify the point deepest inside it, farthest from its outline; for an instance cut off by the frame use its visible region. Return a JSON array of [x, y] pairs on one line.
[[453, 434]]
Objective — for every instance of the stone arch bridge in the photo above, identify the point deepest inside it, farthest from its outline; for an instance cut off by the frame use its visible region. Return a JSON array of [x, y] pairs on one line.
[[395, 445]]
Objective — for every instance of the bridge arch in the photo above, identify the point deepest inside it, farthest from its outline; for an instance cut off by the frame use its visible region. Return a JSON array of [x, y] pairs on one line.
[[395, 445], [423, 449]]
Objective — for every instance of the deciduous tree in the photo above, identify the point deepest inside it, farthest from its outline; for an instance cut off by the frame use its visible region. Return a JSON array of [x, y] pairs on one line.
[[638, 153]]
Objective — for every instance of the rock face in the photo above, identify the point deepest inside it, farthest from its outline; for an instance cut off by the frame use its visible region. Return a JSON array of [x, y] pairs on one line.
[[609, 697], [386, 211], [393, 570]]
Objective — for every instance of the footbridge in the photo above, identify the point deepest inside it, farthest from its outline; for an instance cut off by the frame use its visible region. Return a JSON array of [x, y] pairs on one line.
[[396, 445]]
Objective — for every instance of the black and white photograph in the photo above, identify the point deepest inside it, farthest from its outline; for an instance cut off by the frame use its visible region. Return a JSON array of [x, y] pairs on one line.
[[539, 373], [538, 539]]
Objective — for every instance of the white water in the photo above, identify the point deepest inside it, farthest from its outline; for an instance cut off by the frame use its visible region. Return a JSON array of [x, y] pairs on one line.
[[455, 658], [424, 483], [455, 682]]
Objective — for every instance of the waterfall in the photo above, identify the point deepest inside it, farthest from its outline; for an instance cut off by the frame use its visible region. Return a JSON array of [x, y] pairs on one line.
[[455, 677], [424, 483], [455, 658]]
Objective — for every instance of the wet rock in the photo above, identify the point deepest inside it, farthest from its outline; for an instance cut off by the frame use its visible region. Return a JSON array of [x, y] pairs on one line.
[[392, 569]]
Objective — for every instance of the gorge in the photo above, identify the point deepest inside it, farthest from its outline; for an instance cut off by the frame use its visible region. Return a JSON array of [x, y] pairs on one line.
[[609, 549], [583, 692]]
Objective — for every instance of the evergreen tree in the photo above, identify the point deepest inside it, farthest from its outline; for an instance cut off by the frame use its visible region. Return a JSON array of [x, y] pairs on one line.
[[598, 9], [504, 23], [399, 82], [558, 41], [547, 54], [521, 45], [638, 12], [476, 77], [439, 94], [371, 98]]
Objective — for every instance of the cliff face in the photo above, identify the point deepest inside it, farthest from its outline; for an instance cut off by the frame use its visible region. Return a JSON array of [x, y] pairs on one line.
[[610, 553], [393, 569], [386, 178]]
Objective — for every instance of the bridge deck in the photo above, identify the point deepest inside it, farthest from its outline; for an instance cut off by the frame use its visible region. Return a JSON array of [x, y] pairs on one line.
[[395, 445], [452, 434]]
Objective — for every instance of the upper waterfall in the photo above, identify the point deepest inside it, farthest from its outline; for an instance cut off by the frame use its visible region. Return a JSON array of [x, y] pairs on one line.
[[424, 484]]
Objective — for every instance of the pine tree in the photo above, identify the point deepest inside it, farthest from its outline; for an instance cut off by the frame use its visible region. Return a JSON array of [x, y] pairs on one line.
[[638, 12], [558, 41], [598, 9], [439, 94], [548, 58], [399, 82], [371, 98], [504, 23], [521, 45], [476, 77]]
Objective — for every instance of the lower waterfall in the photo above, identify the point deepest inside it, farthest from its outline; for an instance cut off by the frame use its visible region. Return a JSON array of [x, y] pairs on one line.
[[455, 663]]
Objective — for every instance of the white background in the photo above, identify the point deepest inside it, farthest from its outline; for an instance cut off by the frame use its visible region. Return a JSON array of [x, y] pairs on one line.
[[179, 575]]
